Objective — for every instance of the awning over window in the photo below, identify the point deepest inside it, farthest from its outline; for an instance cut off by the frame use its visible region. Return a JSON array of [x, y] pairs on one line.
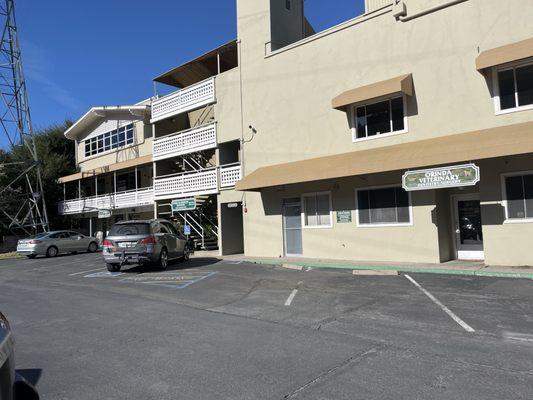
[[134, 162], [400, 84], [488, 143], [504, 54]]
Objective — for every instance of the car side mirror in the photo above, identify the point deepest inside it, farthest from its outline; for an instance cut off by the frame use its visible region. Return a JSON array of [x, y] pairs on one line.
[[22, 390]]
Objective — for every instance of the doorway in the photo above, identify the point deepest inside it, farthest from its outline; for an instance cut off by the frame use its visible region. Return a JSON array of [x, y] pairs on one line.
[[292, 227], [468, 227]]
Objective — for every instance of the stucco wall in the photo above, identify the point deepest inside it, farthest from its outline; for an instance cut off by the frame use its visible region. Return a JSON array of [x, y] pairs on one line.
[[228, 106], [287, 97], [415, 243], [143, 147]]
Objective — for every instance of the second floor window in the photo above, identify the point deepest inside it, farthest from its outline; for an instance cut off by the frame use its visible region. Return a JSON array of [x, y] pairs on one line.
[[120, 137], [514, 88], [380, 118]]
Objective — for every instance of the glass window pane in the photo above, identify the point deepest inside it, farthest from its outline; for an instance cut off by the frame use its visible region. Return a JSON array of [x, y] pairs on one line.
[[87, 148], [378, 118], [507, 92], [515, 197], [360, 123], [323, 210], [383, 206], [402, 204], [310, 211], [363, 206], [528, 187], [121, 139], [524, 85], [397, 114], [114, 141]]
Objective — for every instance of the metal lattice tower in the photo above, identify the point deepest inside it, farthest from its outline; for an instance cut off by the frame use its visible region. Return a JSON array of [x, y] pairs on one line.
[[22, 204]]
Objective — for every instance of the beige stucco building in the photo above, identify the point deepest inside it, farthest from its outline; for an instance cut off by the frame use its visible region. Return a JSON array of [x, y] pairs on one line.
[[404, 134], [343, 114]]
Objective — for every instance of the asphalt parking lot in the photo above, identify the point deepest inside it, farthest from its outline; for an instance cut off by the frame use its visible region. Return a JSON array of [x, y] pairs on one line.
[[222, 329]]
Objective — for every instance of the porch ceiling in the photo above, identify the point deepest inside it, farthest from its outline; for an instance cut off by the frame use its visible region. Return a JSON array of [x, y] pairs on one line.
[[110, 168], [202, 67], [476, 145]]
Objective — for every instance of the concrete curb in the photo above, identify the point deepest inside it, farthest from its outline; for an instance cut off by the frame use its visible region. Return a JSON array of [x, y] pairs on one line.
[[444, 271]]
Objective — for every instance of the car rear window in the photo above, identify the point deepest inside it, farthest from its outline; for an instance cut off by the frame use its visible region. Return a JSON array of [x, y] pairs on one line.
[[129, 229]]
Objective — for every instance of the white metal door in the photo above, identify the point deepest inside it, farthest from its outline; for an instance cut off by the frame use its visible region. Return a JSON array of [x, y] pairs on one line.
[[468, 227]]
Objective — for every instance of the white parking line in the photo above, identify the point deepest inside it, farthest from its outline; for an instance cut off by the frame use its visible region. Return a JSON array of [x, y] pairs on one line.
[[84, 272], [291, 296], [463, 324]]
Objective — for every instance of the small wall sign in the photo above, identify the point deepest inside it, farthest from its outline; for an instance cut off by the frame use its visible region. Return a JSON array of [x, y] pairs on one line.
[[104, 213], [440, 178], [344, 216], [188, 203]]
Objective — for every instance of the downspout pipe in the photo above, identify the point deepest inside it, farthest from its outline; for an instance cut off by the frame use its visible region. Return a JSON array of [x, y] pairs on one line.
[[405, 18]]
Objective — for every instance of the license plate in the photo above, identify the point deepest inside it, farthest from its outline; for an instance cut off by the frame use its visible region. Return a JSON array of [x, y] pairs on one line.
[[126, 244]]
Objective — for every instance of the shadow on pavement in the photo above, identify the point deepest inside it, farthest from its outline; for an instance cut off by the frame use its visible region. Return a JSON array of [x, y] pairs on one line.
[[31, 375]]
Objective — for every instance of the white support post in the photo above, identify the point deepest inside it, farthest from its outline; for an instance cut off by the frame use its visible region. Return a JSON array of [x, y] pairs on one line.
[[64, 191], [218, 63], [90, 226], [136, 188]]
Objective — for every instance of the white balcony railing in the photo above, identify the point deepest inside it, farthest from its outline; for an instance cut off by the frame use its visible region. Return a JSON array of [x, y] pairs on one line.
[[201, 138], [229, 175], [206, 181], [186, 184], [183, 100], [130, 198]]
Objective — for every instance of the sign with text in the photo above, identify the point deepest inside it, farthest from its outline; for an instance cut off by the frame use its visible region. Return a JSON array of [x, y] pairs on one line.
[[344, 216], [104, 213], [440, 178], [188, 203]]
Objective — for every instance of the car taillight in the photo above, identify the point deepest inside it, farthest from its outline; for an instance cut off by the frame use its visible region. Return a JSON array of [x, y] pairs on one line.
[[35, 241], [108, 243], [149, 240]]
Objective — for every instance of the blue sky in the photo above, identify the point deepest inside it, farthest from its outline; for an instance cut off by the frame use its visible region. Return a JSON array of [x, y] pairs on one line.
[[78, 54]]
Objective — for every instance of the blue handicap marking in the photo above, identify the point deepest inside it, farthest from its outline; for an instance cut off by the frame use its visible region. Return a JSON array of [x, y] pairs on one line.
[[186, 229], [104, 274]]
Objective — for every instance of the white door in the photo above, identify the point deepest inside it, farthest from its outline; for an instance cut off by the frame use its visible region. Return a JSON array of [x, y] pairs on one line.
[[292, 227], [468, 227]]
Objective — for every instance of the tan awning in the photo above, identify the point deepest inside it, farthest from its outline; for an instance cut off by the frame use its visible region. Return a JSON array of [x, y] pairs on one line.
[[134, 162], [400, 84], [488, 143], [504, 54]]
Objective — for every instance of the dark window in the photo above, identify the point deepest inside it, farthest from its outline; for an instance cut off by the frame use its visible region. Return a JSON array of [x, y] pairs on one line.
[[516, 87], [379, 118], [383, 206], [288, 4], [524, 85], [519, 194], [129, 229], [171, 228]]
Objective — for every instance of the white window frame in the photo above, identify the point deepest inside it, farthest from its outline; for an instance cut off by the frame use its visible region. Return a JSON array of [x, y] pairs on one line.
[[353, 118], [504, 198], [304, 225], [111, 150], [496, 85], [385, 224]]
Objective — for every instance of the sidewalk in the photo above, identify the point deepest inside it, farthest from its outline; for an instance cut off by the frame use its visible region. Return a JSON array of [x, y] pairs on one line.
[[469, 268]]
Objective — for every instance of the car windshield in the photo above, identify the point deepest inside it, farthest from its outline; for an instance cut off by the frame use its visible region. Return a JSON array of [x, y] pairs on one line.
[[129, 229]]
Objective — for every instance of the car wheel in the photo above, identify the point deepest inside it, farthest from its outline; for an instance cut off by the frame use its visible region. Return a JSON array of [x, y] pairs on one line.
[[163, 259], [31, 256], [186, 253], [52, 251], [113, 267], [92, 247]]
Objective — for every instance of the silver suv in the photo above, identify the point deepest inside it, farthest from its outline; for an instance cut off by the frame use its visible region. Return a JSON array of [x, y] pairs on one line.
[[144, 242]]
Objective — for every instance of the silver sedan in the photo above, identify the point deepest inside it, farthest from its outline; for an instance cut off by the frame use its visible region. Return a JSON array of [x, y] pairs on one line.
[[50, 244]]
